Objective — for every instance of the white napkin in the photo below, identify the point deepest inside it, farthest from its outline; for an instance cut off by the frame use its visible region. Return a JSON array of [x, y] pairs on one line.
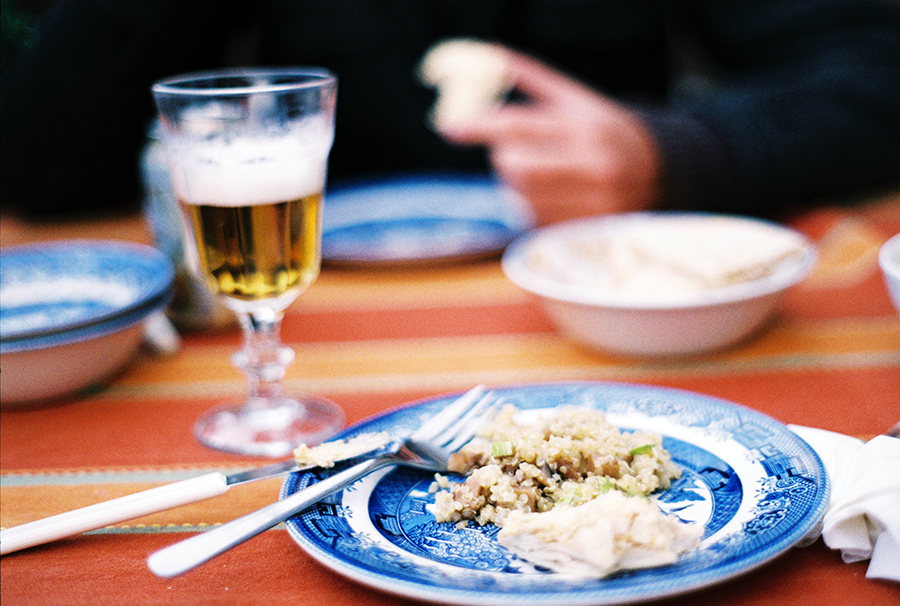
[[863, 515]]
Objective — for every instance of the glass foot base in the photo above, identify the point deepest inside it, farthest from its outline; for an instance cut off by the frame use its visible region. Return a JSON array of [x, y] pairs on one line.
[[273, 431]]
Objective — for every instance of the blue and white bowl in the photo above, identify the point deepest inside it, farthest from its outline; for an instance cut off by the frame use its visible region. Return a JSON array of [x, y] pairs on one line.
[[72, 313]]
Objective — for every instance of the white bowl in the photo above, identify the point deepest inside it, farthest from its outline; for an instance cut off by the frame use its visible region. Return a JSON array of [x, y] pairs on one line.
[[578, 270], [889, 260], [72, 314]]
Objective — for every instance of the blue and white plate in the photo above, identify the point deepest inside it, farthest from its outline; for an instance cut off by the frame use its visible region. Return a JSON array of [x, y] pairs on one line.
[[70, 289], [755, 486], [420, 219]]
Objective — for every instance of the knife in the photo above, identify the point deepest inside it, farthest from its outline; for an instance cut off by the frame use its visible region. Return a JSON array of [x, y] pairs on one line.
[[133, 506], [184, 492]]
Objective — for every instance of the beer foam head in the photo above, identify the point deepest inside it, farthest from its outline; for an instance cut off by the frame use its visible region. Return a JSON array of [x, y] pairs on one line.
[[245, 171]]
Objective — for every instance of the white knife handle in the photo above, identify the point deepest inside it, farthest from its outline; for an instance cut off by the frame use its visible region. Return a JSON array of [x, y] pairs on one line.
[[113, 511], [185, 555]]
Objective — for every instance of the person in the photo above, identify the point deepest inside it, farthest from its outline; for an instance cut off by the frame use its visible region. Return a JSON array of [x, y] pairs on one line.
[[751, 107]]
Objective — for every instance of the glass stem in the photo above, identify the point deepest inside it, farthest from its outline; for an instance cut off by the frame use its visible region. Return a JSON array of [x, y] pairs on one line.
[[263, 357]]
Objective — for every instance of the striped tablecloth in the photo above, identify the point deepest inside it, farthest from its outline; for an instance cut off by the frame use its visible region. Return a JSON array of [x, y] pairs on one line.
[[372, 340]]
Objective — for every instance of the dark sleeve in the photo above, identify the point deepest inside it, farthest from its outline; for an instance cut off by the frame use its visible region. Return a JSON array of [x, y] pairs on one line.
[[76, 106], [801, 105]]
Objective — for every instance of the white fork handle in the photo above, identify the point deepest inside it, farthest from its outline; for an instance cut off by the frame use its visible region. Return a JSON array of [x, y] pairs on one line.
[[112, 512], [185, 555]]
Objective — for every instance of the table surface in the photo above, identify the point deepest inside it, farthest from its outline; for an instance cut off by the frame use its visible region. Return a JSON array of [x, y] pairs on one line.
[[372, 340]]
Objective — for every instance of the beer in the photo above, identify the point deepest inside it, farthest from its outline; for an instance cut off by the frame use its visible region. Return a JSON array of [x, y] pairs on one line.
[[257, 251], [252, 212]]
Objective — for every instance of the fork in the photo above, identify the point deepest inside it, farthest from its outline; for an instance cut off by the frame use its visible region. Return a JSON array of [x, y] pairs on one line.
[[429, 447]]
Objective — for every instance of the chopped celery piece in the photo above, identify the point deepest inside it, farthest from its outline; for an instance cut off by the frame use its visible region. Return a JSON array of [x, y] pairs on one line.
[[645, 449], [501, 449]]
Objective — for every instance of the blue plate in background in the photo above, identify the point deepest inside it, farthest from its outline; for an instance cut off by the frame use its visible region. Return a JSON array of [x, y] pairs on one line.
[[420, 219]]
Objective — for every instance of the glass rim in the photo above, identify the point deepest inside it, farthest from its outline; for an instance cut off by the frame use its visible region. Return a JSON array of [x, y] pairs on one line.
[[180, 84]]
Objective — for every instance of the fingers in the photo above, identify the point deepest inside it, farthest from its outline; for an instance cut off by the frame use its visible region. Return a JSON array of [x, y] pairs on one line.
[[552, 97], [567, 150], [504, 124]]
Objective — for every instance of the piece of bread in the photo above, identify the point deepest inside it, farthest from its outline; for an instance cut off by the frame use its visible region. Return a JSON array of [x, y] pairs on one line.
[[471, 78], [715, 251]]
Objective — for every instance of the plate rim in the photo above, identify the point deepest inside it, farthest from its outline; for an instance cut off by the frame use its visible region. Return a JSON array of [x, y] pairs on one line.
[[94, 330], [453, 595]]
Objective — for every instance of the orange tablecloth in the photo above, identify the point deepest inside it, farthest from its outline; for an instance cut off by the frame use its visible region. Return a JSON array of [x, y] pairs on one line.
[[373, 340]]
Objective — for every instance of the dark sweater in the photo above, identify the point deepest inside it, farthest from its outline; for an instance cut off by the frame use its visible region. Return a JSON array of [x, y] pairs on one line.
[[758, 105]]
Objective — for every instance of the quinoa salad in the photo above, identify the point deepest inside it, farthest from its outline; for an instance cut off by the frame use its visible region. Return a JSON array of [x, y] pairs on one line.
[[567, 458], [564, 482]]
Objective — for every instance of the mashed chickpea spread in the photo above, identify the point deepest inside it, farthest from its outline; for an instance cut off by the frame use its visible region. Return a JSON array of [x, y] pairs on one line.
[[329, 453]]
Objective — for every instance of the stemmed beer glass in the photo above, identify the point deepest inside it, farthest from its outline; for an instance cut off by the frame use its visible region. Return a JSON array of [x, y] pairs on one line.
[[248, 151]]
